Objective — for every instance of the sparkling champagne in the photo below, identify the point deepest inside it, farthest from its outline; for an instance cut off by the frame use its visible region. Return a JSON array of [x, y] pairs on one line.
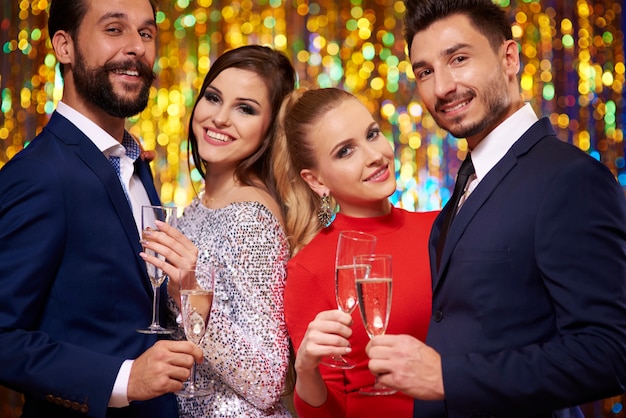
[[196, 308], [345, 285], [155, 274], [374, 296]]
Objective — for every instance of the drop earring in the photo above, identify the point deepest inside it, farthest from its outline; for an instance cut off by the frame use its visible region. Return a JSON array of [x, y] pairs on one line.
[[325, 213]]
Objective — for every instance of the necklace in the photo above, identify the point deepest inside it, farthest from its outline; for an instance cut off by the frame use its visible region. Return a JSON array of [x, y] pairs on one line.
[[210, 201]]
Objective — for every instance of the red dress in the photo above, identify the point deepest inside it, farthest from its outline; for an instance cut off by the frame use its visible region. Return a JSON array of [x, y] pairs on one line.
[[311, 289]]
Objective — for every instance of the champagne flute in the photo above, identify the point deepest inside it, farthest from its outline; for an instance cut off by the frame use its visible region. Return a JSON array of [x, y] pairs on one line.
[[350, 244], [373, 289], [196, 298], [149, 214]]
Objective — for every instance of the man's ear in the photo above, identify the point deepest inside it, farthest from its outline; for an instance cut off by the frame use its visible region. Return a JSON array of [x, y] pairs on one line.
[[511, 59], [315, 182], [63, 45]]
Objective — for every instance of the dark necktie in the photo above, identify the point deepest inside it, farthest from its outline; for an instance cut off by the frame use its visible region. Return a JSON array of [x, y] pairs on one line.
[[465, 172]]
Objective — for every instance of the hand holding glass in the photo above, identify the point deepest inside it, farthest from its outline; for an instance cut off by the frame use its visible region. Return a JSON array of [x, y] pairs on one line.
[[373, 289], [149, 214], [350, 244], [196, 298]]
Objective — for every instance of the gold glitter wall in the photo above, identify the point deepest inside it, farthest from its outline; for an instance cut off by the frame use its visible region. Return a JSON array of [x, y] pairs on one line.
[[573, 71]]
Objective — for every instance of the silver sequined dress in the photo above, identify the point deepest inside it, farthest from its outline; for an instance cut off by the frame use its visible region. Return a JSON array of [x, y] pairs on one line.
[[246, 343]]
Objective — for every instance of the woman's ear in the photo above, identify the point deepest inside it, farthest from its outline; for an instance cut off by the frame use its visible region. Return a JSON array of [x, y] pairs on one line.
[[315, 182]]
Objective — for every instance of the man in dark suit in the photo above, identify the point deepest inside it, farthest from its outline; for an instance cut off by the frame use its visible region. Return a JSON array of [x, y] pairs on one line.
[[529, 279], [73, 288]]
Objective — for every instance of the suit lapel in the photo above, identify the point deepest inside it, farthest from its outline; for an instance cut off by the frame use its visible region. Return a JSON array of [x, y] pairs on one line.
[[469, 209], [142, 169], [102, 168], [480, 195]]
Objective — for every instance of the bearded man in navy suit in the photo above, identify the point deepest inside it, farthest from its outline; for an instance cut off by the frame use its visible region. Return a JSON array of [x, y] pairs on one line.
[[529, 279], [73, 288]]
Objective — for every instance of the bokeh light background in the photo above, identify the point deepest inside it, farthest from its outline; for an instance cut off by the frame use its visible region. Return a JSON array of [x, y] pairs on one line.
[[573, 71]]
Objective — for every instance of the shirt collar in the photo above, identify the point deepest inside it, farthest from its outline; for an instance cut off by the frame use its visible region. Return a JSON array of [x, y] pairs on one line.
[[498, 142], [108, 145]]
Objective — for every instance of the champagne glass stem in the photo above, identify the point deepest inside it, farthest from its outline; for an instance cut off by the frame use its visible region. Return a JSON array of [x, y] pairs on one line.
[[155, 327], [191, 391], [155, 307], [192, 383]]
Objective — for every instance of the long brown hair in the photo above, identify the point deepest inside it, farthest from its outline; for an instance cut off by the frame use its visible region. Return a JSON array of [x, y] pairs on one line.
[[280, 77]]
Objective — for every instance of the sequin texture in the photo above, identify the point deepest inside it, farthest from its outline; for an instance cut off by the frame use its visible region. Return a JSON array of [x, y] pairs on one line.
[[246, 342]]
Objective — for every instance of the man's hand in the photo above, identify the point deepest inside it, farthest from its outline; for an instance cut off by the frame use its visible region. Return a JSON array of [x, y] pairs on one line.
[[405, 363], [162, 369]]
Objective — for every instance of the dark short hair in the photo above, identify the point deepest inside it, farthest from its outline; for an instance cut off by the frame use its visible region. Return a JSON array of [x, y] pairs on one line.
[[67, 15], [490, 19], [275, 68]]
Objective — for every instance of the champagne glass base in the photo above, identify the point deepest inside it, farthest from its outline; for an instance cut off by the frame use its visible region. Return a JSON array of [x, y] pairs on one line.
[[155, 330], [338, 362], [193, 393], [377, 390]]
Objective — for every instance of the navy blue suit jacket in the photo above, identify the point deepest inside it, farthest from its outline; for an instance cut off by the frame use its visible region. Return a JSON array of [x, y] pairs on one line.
[[529, 305], [73, 289]]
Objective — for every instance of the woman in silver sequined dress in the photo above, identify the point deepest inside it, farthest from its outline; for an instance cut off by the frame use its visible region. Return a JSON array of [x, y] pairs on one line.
[[235, 222]]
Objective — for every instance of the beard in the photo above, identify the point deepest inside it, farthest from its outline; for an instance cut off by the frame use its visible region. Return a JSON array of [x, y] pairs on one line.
[[495, 100], [93, 84]]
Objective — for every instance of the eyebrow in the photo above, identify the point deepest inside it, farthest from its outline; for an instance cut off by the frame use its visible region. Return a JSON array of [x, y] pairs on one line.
[[123, 16], [445, 53], [340, 145], [348, 140], [241, 99]]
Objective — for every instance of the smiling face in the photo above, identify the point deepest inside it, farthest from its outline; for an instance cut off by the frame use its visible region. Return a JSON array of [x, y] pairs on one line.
[[466, 86], [232, 119], [355, 162], [111, 57]]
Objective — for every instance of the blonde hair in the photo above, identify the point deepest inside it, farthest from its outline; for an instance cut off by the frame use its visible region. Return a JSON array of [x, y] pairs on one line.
[[294, 151]]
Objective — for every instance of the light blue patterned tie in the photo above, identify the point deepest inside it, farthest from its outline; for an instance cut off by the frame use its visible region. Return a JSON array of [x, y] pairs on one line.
[[132, 151], [132, 148]]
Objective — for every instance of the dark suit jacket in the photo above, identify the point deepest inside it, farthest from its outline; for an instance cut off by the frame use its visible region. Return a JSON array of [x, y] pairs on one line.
[[73, 288], [529, 306]]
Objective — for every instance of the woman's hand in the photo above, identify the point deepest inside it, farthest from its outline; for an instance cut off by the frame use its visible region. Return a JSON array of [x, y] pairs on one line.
[[178, 250], [326, 335]]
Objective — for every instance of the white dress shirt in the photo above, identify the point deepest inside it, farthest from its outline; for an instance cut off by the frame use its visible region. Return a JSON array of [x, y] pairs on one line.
[[497, 143], [138, 197], [111, 147]]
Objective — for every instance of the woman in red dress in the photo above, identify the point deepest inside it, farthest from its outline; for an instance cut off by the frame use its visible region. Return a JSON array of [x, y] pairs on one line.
[[332, 154]]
